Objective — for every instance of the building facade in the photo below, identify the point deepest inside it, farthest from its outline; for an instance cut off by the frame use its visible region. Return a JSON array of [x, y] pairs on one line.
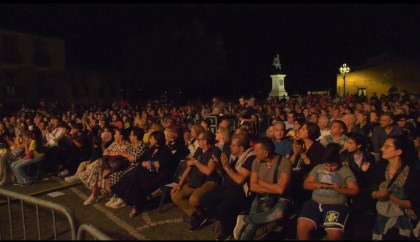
[[379, 74], [33, 68]]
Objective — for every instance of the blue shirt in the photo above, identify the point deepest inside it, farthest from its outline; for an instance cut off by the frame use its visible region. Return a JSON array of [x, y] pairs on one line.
[[283, 147]]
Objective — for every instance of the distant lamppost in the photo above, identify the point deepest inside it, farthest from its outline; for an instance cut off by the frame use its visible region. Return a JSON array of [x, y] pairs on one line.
[[344, 70]]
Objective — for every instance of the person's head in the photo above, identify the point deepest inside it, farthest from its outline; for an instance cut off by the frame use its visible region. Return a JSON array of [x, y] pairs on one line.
[[387, 119], [206, 139], [242, 101], [291, 117], [373, 117], [155, 127], [96, 141], [314, 117], [349, 119], [222, 135], [279, 130], [119, 135], [169, 122], [323, 122], [76, 128], [136, 134], [338, 127], [205, 124], [400, 147], [157, 139], [356, 142], [309, 131], [264, 148], [270, 132], [332, 159], [196, 129], [239, 144], [401, 120], [225, 123]]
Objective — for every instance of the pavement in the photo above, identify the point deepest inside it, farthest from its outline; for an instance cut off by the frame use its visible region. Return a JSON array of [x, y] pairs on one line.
[[149, 225]]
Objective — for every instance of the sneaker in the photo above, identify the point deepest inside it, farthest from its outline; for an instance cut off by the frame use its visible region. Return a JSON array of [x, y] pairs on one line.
[[63, 173], [197, 222], [119, 203], [240, 225], [91, 200], [71, 179], [111, 201]]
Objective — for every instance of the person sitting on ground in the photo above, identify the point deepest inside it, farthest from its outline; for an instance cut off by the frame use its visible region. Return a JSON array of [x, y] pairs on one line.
[[330, 183], [270, 180]]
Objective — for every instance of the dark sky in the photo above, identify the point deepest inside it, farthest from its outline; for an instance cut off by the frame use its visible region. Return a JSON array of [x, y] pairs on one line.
[[313, 40]]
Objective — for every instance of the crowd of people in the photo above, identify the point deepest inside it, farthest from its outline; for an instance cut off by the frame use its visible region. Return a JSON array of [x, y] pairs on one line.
[[343, 165]]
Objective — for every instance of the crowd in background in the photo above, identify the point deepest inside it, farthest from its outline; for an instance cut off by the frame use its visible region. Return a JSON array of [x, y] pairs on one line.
[[345, 164]]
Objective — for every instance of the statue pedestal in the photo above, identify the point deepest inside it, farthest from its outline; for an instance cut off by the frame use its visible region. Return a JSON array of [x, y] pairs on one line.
[[277, 89]]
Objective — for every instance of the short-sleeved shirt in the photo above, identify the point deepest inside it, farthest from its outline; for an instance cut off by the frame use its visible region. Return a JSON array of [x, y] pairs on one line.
[[32, 147], [247, 165], [196, 177], [340, 177], [266, 173], [283, 147]]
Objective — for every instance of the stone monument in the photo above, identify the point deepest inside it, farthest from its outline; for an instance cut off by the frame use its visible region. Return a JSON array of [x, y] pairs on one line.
[[277, 88]]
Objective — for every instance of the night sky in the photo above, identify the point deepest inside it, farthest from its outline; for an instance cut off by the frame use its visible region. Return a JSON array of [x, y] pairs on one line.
[[313, 40]]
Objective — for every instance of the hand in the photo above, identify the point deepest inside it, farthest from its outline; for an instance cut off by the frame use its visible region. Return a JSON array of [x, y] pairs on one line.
[[212, 163], [382, 193], [365, 166], [191, 162], [175, 189], [224, 159], [334, 187], [146, 164], [297, 149]]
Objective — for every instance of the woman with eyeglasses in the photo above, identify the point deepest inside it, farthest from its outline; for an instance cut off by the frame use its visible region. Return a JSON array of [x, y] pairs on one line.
[[396, 190]]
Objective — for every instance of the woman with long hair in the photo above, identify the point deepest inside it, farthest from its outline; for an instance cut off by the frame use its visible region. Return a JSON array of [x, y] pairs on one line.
[[34, 153], [307, 153], [136, 185], [396, 190]]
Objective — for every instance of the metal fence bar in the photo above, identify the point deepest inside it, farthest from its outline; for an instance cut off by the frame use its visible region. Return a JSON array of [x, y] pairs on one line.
[[10, 218], [69, 214], [54, 225], [37, 222], [23, 220], [92, 230]]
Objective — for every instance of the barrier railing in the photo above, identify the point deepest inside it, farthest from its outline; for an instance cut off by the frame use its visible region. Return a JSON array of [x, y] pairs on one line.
[[12, 198], [93, 231]]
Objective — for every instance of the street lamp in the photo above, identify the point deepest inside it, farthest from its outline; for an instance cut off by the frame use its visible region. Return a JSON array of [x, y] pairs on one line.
[[344, 70]]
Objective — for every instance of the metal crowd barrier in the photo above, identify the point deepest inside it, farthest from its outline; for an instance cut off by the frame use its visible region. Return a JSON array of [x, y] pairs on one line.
[[31, 227], [93, 231]]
